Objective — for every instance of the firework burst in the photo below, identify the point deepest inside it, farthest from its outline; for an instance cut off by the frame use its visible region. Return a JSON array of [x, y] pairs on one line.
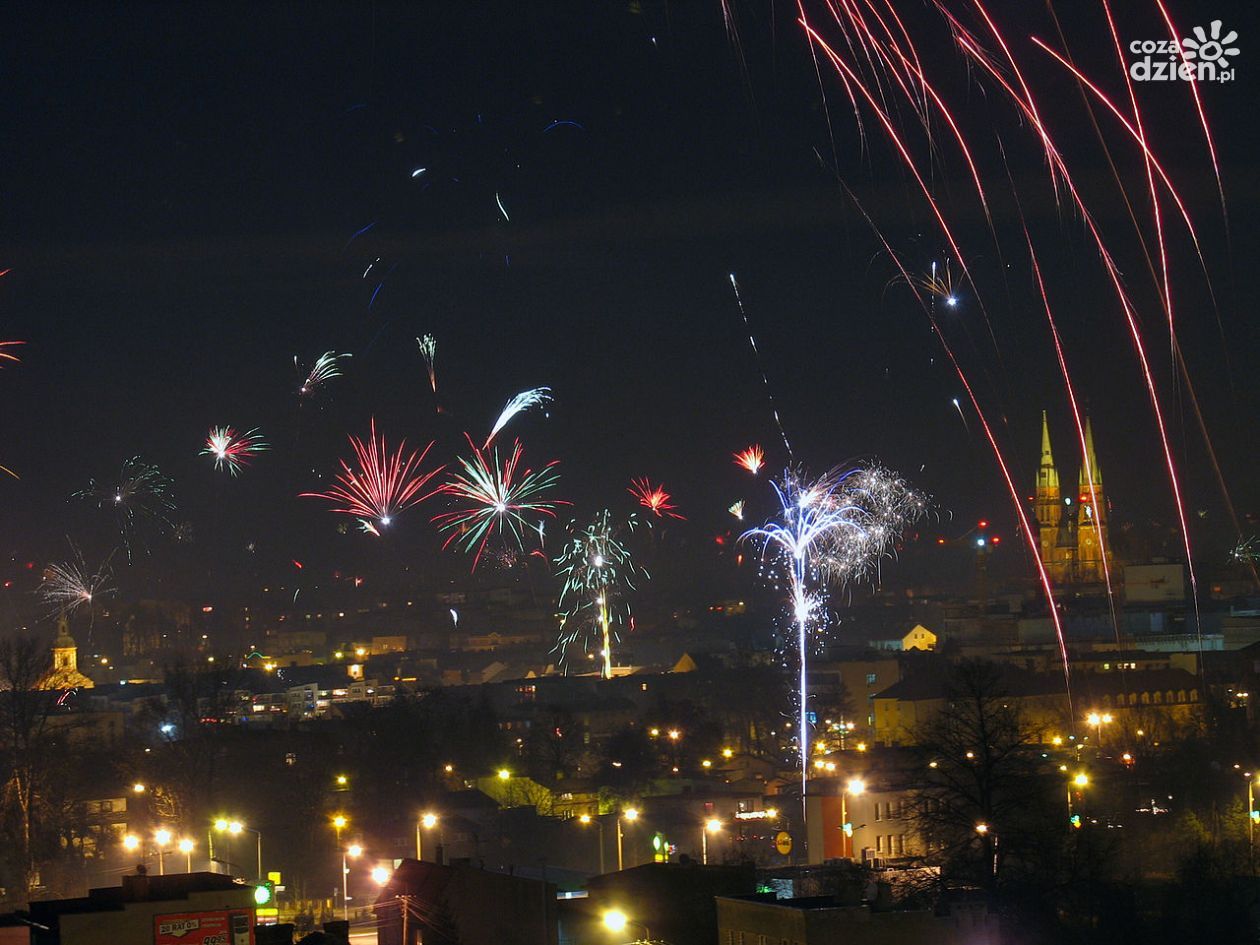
[[494, 499], [653, 498], [428, 351], [380, 485], [70, 585], [737, 509], [525, 400], [325, 368], [752, 458], [141, 495], [829, 531], [598, 573], [231, 450]]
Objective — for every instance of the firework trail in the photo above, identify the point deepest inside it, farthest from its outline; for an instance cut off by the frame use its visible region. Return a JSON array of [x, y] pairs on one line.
[[380, 485], [737, 509], [231, 450], [5, 354], [324, 369], [142, 494], [428, 351], [493, 498], [774, 408], [525, 400], [829, 531], [653, 498], [69, 585], [598, 573], [752, 458]]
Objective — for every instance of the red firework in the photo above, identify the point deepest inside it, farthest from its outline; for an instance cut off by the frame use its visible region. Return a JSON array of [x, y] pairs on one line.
[[654, 498], [751, 459], [6, 355], [382, 485]]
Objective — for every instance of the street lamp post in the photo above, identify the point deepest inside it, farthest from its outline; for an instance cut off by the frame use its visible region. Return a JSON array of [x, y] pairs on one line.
[[186, 848], [856, 787], [585, 820], [353, 851], [162, 838], [428, 821], [630, 814], [711, 826], [616, 921], [1080, 781]]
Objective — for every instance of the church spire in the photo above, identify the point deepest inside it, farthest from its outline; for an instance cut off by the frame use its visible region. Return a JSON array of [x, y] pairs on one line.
[[1090, 466], [1047, 476]]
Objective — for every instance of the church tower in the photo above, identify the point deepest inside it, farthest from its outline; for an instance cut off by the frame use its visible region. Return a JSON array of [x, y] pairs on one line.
[[1091, 524], [65, 652], [1047, 507]]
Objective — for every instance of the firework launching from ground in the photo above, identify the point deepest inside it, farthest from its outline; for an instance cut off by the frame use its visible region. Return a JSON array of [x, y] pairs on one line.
[[525, 400], [495, 500], [829, 531], [325, 368], [598, 573], [653, 498], [231, 450], [380, 485], [69, 585], [142, 495], [752, 458], [428, 351]]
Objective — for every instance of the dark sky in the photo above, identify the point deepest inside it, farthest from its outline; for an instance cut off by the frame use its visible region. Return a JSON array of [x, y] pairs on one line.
[[180, 184]]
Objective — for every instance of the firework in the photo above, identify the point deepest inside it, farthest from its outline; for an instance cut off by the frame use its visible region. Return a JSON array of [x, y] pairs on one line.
[[752, 458], [598, 573], [494, 498], [141, 495], [380, 485], [428, 351], [69, 585], [232, 450], [366, 526], [829, 531], [325, 368], [525, 400], [765, 380], [5, 354], [653, 498], [737, 509]]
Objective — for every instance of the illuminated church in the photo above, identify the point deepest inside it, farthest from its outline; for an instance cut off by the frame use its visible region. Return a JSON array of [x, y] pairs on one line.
[[1073, 527], [64, 672]]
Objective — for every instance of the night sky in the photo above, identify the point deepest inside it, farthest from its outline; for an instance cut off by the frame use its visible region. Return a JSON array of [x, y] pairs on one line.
[[180, 185]]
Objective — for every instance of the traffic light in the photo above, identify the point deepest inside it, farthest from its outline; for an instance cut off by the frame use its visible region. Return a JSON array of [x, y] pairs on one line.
[[1076, 821], [265, 894]]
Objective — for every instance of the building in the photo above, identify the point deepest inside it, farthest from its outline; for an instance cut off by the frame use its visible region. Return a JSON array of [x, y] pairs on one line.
[[1072, 528], [821, 920], [64, 672], [166, 910]]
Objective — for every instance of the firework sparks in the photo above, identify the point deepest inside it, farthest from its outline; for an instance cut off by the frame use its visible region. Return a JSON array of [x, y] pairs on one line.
[[737, 509], [598, 573], [69, 585], [752, 458], [141, 495], [231, 450], [428, 351], [653, 498], [381, 485], [366, 526], [325, 368], [5, 354], [495, 498], [525, 400], [830, 531]]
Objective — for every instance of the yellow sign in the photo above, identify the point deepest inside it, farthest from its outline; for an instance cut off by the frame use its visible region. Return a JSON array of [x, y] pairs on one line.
[[783, 842], [274, 876]]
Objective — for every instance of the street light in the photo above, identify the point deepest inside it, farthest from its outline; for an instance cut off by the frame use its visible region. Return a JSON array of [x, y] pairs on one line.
[[1098, 721], [630, 814], [381, 875], [428, 821], [162, 837], [586, 820], [353, 851], [616, 921], [186, 848], [713, 825], [855, 787], [234, 828], [131, 843], [1080, 781]]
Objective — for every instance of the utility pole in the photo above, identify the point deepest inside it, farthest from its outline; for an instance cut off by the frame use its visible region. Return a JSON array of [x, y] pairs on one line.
[[405, 910]]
